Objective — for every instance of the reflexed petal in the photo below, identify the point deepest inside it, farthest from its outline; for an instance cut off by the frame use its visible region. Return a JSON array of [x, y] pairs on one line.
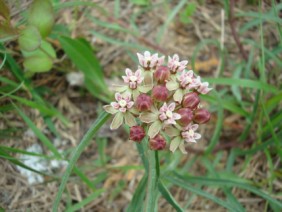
[[130, 104], [138, 73], [128, 72], [147, 54], [154, 129], [194, 127], [110, 109], [140, 58], [145, 88], [117, 121], [135, 94], [129, 119], [172, 85], [148, 78], [175, 57], [171, 131], [184, 62], [148, 117], [178, 96], [171, 107], [174, 144], [120, 88], [127, 96], [176, 116], [134, 111], [197, 136], [182, 148], [115, 105], [118, 96]]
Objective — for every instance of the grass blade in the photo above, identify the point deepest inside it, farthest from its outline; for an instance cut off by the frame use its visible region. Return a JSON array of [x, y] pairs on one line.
[[167, 195], [85, 201], [138, 197], [77, 152], [228, 183]]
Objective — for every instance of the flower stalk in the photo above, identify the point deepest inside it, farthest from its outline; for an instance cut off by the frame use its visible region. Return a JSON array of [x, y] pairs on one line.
[[153, 177]]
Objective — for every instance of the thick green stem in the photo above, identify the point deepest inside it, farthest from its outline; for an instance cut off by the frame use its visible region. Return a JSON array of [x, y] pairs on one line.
[[153, 174]]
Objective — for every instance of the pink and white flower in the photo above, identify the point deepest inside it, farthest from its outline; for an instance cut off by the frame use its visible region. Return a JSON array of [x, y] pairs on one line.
[[203, 88], [167, 115], [134, 83], [189, 135], [148, 61], [179, 135], [175, 65], [159, 118], [133, 78], [123, 110], [123, 103], [183, 83]]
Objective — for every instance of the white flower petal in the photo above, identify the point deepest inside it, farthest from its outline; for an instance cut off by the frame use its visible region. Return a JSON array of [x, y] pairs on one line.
[[117, 121], [154, 129], [129, 119], [148, 117], [174, 144], [178, 96], [182, 148], [172, 85], [110, 109], [172, 131], [120, 88]]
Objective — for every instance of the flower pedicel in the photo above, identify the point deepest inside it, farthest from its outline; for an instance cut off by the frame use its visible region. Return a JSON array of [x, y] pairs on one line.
[[164, 99]]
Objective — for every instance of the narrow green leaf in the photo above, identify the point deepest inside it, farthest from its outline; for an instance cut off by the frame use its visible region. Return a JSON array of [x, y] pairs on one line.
[[137, 201], [38, 133], [243, 83], [228, 183], [169, 198], [86, 201], [185, 185], [76, 153]]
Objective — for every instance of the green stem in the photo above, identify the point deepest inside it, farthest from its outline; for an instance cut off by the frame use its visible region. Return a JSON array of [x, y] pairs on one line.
[[153, 175]]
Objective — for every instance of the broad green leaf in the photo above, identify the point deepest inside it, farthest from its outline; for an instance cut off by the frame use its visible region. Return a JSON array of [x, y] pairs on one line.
[[41, 15], [82, 56], [29, 39]]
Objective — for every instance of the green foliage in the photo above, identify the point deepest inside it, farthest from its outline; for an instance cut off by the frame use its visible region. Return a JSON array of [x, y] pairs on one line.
[[30, 39], [257, 101], [41, 15], [81, 54], [141, 2], [188, 12]]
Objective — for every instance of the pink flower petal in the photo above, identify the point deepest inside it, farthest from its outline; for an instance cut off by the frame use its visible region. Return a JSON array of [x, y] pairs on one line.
[[118, 96], [128, 72]]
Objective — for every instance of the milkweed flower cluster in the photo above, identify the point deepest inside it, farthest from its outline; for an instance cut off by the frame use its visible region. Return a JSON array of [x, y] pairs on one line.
[[163, 99]]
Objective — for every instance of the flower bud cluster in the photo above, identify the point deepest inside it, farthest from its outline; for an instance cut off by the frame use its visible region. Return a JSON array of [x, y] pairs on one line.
[[160, 101]]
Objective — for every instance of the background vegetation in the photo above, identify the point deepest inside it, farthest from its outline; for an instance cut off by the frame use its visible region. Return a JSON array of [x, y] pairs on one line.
[[236, 47]]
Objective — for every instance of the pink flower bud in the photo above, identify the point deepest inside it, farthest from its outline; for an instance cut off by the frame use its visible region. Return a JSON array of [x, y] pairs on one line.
[[191, 100], [186, 116], [157, 143], [160, 93], [201, 116], [137, 133], [143, 102], [162, 74]]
